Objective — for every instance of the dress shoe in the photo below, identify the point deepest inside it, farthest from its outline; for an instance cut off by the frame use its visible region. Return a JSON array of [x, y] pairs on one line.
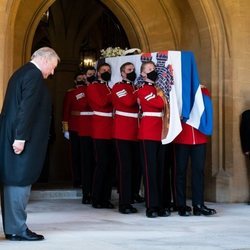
[[151, 213], [27, 235], [97, 205], [184, 211], [203, 210], [86, 199], [127, 209], [108, 204], [164, 212], [137, 198], [173, 208]]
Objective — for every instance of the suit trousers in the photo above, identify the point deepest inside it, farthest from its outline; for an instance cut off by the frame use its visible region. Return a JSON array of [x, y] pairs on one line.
[[197, 154], [103, 173], [153, 160], [14, 200]]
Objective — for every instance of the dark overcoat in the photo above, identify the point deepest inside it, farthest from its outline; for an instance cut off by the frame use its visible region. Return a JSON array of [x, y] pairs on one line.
[[245, 131], [25, 115]]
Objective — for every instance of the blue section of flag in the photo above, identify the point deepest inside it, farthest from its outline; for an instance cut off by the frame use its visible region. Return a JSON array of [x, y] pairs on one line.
[[190, 82], [190, 86], [206, 122]]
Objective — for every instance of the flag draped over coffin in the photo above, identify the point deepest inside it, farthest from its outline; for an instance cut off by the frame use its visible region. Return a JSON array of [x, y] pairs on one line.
[[179, 80]]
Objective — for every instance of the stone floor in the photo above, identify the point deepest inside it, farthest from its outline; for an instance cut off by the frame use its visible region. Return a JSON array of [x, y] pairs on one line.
[[69, 225]]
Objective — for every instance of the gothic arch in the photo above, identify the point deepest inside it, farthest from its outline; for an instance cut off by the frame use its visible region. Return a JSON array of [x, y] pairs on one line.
[[21, 25]]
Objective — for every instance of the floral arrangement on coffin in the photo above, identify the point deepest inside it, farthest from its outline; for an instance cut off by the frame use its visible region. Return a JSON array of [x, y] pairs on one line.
[[117, 51]]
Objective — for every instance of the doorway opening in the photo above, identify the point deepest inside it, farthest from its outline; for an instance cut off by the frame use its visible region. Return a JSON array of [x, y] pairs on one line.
[[77, 30]]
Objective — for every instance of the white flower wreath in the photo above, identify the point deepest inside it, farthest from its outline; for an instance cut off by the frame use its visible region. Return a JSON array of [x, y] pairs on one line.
[[117, 51]]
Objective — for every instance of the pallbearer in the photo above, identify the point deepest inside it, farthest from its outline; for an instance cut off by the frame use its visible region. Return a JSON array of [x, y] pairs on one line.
[[86, 142], [73, 104], [100, 100], [190, 145], [152, 102], [125, 132]]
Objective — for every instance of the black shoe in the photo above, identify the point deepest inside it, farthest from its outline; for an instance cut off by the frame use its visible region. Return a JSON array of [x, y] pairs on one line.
[[97, 205], [203, 210], [108, 204], [127, 209], [184, 211], [164, 212], [86, 199], [151, 213], [26, 235], [137, 198], [173, 208], [188, 208]]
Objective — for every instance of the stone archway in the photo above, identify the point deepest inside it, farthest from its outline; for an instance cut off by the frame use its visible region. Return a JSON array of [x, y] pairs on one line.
[[156, 25]]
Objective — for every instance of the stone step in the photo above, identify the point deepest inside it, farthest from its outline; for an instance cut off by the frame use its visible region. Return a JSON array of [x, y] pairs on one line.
[[47, 194], [70, 193]]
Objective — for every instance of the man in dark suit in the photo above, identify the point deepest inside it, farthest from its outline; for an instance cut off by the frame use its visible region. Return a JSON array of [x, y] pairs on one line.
[[24, 133], [245, 132]]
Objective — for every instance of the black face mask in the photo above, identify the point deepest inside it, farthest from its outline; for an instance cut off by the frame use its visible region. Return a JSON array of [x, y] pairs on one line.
[[131, 76], [106, 76], [152, 75], [79, 82], [91, 78]]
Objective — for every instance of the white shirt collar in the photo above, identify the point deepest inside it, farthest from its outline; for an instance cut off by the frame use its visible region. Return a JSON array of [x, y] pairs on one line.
[[36, 65]]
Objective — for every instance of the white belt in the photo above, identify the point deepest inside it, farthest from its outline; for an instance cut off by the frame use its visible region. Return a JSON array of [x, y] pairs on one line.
[[81, 113], [127, 114], [107, 114], [155, 114]]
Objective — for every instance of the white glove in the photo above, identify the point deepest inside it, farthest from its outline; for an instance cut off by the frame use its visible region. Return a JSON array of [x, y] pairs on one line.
[[66, 135]]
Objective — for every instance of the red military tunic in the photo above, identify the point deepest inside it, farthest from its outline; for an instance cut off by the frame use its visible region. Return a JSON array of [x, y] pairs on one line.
[[126, 111], [100, 100], [190, 135], [76, 111], [151, 122]]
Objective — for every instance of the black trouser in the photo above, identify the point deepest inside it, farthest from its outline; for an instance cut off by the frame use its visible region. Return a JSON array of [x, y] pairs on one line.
[[127, 156], [75, 158], [197, 155], [136, 170], [153, 160], [103, 173], [87, 164], [169, 193]]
